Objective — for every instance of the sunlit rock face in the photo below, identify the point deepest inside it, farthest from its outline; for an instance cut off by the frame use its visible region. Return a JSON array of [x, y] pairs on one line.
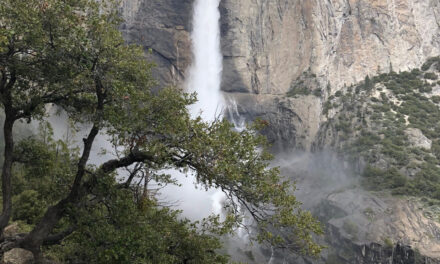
[[268, 45]]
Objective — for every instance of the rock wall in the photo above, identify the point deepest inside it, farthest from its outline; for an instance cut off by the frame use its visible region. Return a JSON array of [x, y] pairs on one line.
[[272, 46], [360, 226], [162, 27], [269, 43]]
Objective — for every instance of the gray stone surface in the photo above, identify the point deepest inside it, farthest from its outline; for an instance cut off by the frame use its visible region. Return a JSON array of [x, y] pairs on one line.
[[268, 44], [163, 27], [271, 42], [18, 256], [291, 122], [357, 220], [417, 139], [11, 230]]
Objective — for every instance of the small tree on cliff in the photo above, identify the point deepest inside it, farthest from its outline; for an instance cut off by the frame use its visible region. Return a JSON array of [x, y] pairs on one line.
[[70, 53]]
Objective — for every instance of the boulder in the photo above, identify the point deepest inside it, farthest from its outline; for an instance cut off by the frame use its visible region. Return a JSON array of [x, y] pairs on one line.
[[18, 256], [417, 139], [11, 230]]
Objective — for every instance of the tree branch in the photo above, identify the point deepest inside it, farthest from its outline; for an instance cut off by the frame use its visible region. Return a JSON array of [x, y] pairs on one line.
[[35, 239], [132, 158], [57, 238], [53, 98], [133, 173], [3, 80]]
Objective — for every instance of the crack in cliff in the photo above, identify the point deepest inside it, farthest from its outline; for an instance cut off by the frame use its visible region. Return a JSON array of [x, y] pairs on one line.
[[169, 60]]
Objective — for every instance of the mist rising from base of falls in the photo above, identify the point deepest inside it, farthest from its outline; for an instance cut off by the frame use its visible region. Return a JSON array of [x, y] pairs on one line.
[[317, 175]]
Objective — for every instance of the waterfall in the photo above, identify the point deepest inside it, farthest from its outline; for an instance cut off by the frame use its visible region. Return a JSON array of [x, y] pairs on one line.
[[205, 79], [205, 72], [234, 116]]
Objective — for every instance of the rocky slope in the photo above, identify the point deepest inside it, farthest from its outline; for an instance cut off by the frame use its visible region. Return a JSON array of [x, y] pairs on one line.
[[363, 226], [386, 129]]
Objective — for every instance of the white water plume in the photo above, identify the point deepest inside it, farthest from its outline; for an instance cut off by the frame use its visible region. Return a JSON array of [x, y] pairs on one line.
[[205, 72], [205, 80], [234, 116]]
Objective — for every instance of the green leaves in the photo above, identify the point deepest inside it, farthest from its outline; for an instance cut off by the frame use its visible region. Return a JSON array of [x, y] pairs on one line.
[[119, 231], [28, 207], [235, 162], [71, 54], [44, 166]]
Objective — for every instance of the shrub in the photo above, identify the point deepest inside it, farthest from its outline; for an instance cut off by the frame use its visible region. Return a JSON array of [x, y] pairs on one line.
[[298, 89], [317, 92], [350, 227], [327, 106], [379, 179], [28, 207], [430, 76], [388, 242], [436, 99], [416, 72], [344, 126], [427, 65]]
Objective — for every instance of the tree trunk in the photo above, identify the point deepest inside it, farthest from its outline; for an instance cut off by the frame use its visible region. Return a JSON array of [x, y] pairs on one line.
[[36, 237], [7, 172]]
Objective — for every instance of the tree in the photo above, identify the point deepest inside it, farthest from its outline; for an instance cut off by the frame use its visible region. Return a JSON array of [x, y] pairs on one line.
[[368, 83], [70, 54], [114, 224]]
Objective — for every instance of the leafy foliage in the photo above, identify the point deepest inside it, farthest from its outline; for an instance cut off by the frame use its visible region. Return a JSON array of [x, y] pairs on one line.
[[71, 54]]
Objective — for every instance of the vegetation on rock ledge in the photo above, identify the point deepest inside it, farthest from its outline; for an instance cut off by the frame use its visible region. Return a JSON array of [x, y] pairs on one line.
[[373, 124]]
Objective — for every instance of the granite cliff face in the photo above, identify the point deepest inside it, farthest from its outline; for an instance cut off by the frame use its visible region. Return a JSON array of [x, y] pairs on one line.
[[268, 45], [162, 28], [284, 62]]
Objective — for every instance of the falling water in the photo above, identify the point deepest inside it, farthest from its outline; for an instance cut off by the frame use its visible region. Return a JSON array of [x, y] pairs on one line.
[[205, 80], [234, 116], [205, 72]]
